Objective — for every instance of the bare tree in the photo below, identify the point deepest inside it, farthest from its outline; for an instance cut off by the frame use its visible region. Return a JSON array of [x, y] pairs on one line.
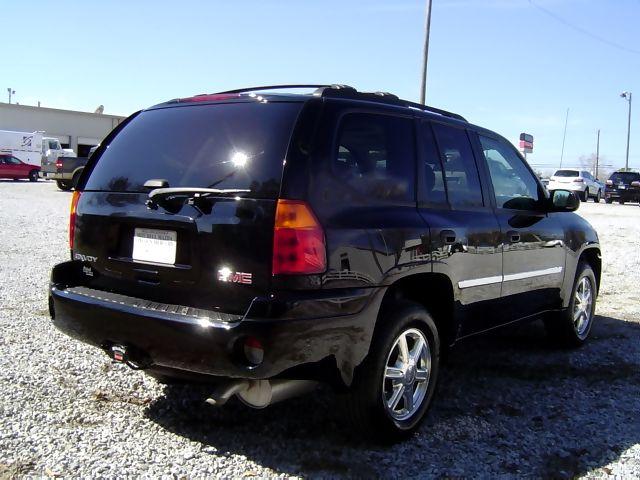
[[588, 162]]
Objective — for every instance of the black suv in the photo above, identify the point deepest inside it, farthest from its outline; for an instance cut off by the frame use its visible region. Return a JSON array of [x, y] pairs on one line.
[[622, 187], [267, 241]]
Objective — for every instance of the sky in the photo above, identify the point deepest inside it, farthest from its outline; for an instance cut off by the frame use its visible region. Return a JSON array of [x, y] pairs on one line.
[[509, 65]]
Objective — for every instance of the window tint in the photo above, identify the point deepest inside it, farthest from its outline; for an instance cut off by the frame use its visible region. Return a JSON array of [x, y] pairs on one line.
[[375, 155], [514, 185], [461, 173], [566, 173], [434, 189], [624, 177], [226, 146]]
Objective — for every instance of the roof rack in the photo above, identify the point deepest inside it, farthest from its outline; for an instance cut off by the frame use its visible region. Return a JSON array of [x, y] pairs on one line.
[[319, 88], [346, 91]]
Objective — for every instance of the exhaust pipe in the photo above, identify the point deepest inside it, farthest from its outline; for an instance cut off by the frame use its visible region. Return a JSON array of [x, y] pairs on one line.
[[260, 393]]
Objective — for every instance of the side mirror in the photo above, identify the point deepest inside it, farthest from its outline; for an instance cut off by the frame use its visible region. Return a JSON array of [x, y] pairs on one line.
[[564, 201]]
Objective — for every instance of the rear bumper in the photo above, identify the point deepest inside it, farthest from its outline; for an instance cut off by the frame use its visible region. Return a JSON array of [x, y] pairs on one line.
[[210, 343], [627, 195]]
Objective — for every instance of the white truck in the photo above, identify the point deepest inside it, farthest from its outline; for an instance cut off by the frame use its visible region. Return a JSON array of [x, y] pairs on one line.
[[32, 147], [25, 146]]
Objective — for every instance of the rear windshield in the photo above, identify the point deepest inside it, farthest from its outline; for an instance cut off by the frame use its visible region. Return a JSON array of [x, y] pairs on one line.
[[566, 173], [624, 177], [226, 146]]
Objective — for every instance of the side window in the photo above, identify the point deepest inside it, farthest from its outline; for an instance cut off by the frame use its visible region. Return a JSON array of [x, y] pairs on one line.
[[434, 189], [460, 171], [375, 155], [514, 185]]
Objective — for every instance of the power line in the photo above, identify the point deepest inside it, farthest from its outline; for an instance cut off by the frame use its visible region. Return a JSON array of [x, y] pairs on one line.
[[584, 31]]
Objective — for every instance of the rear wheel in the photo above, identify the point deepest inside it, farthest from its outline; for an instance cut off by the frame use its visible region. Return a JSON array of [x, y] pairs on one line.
[[608, 200], [62, 185], [584, 196], [76, 177], [621, 202], [598, 197], [572, 326], [33, 176], [394, 386]]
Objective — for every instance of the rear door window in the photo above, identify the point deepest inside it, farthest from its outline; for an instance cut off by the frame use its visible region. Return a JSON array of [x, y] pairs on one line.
[[375, 155], [226, 146], [460, 170]]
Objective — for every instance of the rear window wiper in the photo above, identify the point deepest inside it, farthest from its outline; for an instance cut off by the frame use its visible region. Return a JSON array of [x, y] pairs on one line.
[[164, 196]]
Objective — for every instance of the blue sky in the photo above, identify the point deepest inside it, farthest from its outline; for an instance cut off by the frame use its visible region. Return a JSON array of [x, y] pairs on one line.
[[504, 64]]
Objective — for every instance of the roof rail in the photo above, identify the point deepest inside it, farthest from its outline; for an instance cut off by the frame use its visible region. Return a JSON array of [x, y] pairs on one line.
[[346, 91], [319, 88]]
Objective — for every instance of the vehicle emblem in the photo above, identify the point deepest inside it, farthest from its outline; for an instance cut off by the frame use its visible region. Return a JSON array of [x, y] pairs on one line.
[[226, 275], [84, 258]]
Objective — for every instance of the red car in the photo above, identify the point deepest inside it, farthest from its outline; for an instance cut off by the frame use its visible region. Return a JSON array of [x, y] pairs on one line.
[[12, 167]]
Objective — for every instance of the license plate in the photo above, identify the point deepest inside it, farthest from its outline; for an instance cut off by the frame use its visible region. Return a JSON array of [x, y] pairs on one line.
[[157, 246], [622, 187]]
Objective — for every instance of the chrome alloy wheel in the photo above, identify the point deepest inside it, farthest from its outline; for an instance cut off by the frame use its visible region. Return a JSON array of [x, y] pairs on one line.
[[582, 307], [406, 374]]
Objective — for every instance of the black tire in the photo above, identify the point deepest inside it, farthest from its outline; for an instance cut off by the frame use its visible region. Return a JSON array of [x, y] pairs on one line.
[[62, 185], [562, 327], [584, 196], [33, 176], [76, 177], [621, 202], [608, 200], [598, 197], [365, 402]]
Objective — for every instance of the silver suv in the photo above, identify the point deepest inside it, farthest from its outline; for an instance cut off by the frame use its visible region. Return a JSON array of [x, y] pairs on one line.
[[579, 181]]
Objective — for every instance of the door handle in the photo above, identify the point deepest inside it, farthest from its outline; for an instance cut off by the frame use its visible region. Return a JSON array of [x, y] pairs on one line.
[[448, 237], [514, 237]]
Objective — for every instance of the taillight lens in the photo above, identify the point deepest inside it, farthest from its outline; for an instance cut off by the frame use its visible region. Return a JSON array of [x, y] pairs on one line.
[[578, 180], [609, 182], [298, 240], [72, 217], [58, 163]]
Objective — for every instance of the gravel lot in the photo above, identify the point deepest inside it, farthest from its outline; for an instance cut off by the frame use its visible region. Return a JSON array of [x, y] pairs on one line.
[[508, 404]]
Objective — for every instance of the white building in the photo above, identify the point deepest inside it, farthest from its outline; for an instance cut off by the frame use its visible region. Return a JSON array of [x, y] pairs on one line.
[[77, 130]]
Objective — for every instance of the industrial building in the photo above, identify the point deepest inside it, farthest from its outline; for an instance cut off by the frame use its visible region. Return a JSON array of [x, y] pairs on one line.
[[77, 130]]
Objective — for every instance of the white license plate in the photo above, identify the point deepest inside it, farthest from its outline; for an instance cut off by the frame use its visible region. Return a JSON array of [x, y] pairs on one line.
[[158, 246], [622, 187]]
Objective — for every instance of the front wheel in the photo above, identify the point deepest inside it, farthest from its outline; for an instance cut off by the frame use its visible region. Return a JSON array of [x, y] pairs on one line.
[[571, 327], [394, 386], [33, 176], [598, 197]]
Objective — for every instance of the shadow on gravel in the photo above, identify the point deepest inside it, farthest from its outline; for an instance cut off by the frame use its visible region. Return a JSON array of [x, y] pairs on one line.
[[508, 404]]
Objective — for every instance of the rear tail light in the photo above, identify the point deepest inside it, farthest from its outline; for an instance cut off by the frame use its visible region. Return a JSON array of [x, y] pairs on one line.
[[298, 240], [578, 180], [609, 182], [72, 217], [58, 163]]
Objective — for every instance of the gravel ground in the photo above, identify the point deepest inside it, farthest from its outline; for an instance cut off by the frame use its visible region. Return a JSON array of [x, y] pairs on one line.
[[508, 404]]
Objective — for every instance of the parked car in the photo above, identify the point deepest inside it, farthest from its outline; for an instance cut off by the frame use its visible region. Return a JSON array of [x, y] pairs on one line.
[[266, 241], [14, 168], [66, 171], [579, 181], [623, 187]]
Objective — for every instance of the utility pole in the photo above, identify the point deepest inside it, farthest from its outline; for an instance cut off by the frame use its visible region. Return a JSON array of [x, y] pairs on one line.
[[10, 91], [564, 137], [425, 55], [597, 153], [627, 96]]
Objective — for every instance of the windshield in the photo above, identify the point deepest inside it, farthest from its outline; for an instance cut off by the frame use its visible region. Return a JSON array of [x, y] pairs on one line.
[[624, 177], [226, 146], [566, 173]]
